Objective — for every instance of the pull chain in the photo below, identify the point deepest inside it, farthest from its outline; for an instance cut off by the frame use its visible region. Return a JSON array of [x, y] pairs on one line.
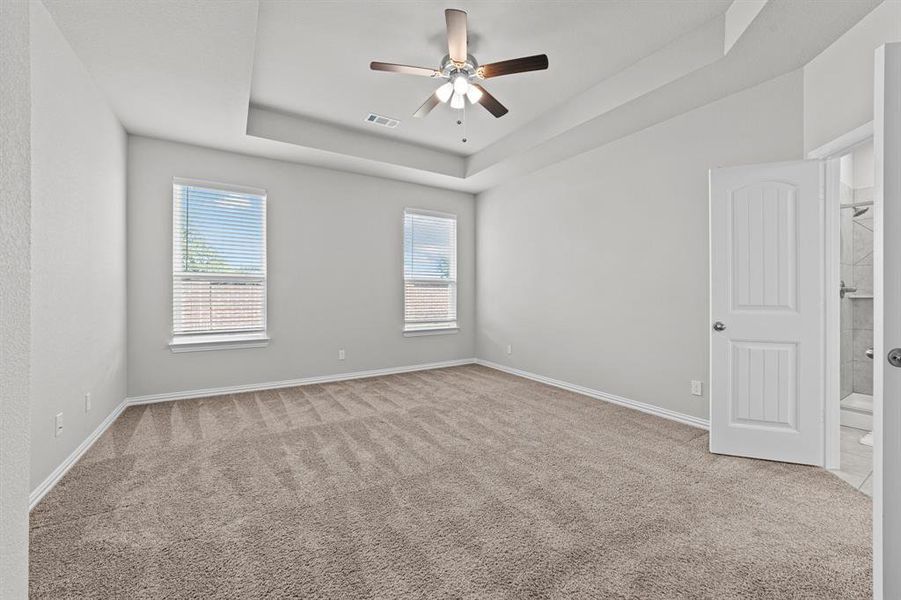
[[464, 121]]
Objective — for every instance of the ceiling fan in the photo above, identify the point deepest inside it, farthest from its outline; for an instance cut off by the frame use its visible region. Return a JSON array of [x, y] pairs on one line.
[[462, 72]]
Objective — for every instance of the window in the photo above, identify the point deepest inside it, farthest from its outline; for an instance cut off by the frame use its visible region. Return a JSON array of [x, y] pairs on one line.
[[430, 272], [218, 266]]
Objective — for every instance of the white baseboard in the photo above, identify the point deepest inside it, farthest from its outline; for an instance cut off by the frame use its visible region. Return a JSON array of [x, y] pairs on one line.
[[67, 464], [38, 494], [612, 398], [45, 486], [270, 385]]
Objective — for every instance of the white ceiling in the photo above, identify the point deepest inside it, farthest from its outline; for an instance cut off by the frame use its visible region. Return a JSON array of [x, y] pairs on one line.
[[169, 68], [312, 58], [188, 70]]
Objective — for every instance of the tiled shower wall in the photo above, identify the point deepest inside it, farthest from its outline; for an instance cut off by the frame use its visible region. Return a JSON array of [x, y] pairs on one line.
[[857, 307], [847, 275]]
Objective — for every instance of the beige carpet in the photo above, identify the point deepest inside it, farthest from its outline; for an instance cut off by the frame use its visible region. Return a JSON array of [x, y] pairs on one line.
[[456, 483]]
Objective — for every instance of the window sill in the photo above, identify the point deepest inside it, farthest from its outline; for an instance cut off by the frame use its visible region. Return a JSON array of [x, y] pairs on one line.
[[200, 343], [435, 331]]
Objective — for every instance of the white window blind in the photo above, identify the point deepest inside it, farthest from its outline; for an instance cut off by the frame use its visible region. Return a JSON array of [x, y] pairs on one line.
[[218, 261], [430, 271]]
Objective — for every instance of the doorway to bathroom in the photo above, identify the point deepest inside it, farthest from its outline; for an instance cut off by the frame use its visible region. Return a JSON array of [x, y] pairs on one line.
[[855, 292], [849, 221]]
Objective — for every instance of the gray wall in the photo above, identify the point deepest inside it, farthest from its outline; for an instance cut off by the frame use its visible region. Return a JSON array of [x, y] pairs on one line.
[[15, 346], [335, 271], [78, 250], [838, 83], [596, 269]]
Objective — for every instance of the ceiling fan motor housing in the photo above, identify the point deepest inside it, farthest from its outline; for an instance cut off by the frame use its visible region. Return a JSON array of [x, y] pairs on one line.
[[449, 68]]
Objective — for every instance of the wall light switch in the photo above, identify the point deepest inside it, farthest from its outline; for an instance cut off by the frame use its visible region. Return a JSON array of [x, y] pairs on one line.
[[58, 421], [87, 402], [341, 354], [697, 388], [509, 349]]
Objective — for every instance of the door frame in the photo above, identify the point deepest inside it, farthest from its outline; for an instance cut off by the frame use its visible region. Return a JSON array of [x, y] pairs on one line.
[[831, 153], [886, 323]]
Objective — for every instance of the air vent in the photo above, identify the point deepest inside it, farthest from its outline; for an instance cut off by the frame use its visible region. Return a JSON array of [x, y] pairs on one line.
[[383, 121]]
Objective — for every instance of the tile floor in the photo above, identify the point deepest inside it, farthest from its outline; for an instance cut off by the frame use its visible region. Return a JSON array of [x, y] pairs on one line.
[[856, 461], [858, 402]]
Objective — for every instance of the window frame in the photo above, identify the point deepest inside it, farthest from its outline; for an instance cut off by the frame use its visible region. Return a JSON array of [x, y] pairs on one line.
[[454, 326], [212, 340]]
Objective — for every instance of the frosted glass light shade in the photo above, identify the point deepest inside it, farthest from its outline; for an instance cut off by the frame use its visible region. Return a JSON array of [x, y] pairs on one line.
[[444, 92], [461, 84]]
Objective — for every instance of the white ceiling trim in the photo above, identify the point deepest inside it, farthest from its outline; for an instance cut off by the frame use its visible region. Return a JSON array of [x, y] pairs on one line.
[[739, 17], [689, 53], [310, 133], [185, 72], [736, 51], [536, 145]]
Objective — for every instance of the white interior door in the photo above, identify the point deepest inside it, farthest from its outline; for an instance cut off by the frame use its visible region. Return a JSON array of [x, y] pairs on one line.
[[767, 315], [887, 325]]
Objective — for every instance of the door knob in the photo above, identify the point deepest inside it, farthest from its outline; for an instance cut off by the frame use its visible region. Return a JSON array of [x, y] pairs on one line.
[[894, 357], [869, 352], [720, 326]]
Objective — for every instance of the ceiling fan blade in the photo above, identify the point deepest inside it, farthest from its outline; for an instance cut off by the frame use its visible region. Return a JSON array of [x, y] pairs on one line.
[[405, 69], [516, 65], [456, 34], [427, 106], [490, 102]]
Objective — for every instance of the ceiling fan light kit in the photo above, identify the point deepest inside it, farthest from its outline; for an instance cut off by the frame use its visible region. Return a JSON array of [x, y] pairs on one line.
[[445, 91], [457, 101], [462, 73]]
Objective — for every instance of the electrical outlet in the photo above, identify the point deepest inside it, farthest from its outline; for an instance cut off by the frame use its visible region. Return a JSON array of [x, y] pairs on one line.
[[87, 402], [58, 421], [341, 354], [697, 388], [509, 348]]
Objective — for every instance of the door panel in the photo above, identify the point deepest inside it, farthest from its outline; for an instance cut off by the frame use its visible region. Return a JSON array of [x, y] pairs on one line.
[[766, 287], [764, 385], [764, 247]]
